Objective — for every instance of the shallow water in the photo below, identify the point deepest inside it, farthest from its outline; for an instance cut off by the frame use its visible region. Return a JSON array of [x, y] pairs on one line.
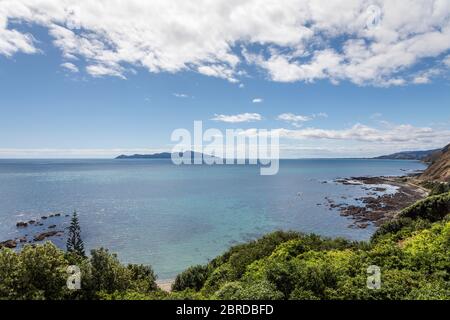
[[153, 212]]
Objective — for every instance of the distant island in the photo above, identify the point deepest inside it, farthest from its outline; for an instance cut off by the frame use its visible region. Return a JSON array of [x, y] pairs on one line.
[[162, 155], [424, 155]]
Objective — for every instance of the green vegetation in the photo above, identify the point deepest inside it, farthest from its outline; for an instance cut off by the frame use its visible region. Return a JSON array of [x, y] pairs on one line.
[[40, 272], [436, 187], [413, 252]]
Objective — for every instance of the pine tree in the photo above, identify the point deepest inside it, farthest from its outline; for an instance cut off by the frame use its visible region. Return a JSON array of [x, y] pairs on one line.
[[74, 242]]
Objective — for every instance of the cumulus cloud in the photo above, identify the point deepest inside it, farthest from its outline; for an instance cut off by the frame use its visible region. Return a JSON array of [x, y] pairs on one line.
[[237, 118], [292, 40], [401, 135], [70, 67], [257, 100]]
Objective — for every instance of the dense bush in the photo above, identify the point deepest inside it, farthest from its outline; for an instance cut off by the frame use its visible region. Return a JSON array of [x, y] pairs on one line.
[[40, 272], [433, 208], [192, 278], [436, 187]]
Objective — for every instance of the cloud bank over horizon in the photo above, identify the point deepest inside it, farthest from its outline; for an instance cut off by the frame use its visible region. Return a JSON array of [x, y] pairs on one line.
[[376, 43]]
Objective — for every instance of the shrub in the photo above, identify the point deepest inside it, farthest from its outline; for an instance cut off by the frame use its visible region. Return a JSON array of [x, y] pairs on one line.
[[192, 278], [433, 208]]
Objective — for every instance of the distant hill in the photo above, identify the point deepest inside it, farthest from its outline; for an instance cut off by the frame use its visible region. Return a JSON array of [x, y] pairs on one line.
[[439, 169], [411, 155], [162, 155]]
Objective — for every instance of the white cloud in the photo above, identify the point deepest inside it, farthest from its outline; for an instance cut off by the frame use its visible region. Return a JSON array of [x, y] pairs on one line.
[[100, 70], [293, 118], [12, 41], [447, 61], [70, 67], [180, 95], [421, 80], [297, 119], [257, 100], [219, 71], [237, 118], [403, 136], [297, 40]]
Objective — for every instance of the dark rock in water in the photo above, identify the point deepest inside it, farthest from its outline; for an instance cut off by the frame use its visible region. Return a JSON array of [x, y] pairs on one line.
[[22, 239], [31, 222], [52, 226], [51, 216], [21, 224], [44, 217], [40, 224], [57, 214], [67, 215], [44, 235], [8, 244]]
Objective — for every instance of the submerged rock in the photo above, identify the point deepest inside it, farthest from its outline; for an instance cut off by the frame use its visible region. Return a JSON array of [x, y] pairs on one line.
[[8, 244], [44, 235], [21, 224]]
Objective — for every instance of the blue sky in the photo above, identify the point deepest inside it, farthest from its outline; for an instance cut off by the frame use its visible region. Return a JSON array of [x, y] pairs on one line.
[[90, 100]]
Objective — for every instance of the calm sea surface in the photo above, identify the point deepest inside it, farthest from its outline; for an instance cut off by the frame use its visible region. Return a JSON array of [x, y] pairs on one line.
[[153, 212]]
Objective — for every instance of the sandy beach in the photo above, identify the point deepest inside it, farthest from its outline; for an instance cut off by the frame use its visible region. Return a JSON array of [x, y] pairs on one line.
[[165, 285]]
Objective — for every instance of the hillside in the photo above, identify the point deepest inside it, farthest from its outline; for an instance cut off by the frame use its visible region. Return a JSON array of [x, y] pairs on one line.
[[410, 155], [439, 170], [163, 155]]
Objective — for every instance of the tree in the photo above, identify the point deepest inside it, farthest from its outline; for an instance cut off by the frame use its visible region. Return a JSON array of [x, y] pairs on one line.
[[74, 242], [192, 278]]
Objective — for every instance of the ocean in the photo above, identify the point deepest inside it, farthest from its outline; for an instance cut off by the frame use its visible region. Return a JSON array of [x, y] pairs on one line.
[[172, 217]]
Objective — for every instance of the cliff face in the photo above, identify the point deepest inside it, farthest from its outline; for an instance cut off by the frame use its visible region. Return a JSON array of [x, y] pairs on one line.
[[439, 169]]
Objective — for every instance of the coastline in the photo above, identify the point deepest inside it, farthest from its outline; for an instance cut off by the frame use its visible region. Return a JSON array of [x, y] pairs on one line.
[[378, 206]]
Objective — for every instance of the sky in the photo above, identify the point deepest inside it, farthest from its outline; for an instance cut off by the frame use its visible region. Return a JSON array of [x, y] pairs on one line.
[[95, 79]]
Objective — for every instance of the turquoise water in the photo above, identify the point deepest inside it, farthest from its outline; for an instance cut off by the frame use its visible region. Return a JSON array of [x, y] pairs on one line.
[[153, 212]]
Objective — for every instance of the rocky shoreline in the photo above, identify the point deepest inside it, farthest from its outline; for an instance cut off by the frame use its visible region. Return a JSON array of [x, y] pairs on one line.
[[47, 229], [378, 206]]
